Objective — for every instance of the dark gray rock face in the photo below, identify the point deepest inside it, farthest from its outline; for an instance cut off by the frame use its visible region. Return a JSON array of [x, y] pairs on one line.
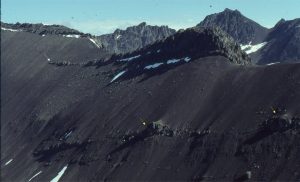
[[133, 38], [241, 28], [283, 43], [42, 29]]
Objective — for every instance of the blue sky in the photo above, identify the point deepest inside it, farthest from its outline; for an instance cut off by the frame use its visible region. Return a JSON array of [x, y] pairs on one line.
[[104, 16]]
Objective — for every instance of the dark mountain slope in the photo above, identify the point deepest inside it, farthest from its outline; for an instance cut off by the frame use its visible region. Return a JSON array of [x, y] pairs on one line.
[[42, 29], [197, 121], [283, 43], [241, 28], [180, 48], [133, 38]]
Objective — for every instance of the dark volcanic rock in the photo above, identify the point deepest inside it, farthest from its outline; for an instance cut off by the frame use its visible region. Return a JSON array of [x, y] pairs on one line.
[[133, 38], [241, 28], [283, 43], [42, 29]]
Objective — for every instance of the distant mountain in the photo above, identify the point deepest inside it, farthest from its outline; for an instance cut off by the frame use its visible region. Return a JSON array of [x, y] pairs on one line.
[[42, 29], [133, 38], [241, 28], [283, 43], [119, 42]]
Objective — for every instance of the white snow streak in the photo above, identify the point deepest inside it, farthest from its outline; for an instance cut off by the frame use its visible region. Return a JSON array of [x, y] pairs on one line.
[[187, 59], [94, 42], [56, 179], [118, 36], [252, 48], [8, 162], [272, 63], [68, 134], [35, 175], [152, 66], [117, 76], [12, 30], [172, 61], [130, 58], [72, 36]]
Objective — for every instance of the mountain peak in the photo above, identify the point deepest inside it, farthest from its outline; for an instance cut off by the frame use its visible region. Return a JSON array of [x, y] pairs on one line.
[[133, 38], [227, 10], [143, 24], [241, 28]]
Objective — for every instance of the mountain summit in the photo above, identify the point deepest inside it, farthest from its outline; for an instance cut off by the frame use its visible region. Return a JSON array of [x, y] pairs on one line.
[[133, 38], [241, 28]]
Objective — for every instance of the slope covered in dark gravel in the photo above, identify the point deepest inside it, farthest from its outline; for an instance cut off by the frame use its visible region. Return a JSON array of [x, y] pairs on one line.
[[211, 118]]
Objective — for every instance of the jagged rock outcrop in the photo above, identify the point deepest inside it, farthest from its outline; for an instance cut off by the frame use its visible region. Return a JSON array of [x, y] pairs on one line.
[[133, 38], [180, 48], [283, 43], [241, 28]]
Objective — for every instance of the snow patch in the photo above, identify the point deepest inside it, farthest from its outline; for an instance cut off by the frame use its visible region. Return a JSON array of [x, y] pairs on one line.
[[158, 51], [272, 63], [56, 179], [117, 76], [12, 30], [8, 162], [72, 36], [35, 175], [130, 58], [172, 61], [68, 134], [152, 66], [48, 59], [94, 42], [118, 37], [187, 59], [252, 48]]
